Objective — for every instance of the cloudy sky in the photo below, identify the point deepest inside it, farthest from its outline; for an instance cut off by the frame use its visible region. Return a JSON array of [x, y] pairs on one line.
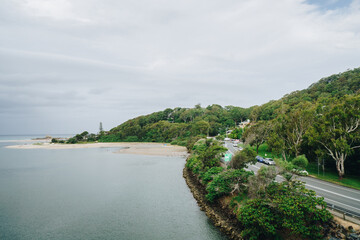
[[66, 65]]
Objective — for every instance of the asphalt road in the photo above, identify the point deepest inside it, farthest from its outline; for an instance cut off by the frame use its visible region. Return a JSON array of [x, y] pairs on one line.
[[346, 199]]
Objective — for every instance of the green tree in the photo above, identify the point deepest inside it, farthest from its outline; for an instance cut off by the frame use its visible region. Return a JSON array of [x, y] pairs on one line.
[[337, 129], [236, 133], [209, 152], [230, 181], [201, 127], [258, 183], [289, 206], [242, 158], [257, 134]]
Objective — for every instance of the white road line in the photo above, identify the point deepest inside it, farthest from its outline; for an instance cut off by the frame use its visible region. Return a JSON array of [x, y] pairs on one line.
[[327, 199], [332, 192], [333, 185]]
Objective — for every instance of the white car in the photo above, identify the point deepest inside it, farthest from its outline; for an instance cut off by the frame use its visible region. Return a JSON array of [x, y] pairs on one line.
[[269, 161], [235, 145]]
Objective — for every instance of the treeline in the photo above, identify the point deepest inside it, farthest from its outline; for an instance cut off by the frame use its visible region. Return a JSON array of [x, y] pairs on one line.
[[321, 122], [179, 124], [265, 209]]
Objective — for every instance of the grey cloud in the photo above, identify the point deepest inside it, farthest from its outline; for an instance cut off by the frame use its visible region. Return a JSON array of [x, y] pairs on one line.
[[70, 64]]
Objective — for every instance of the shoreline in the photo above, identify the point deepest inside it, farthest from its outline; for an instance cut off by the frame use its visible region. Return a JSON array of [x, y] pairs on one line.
[[140, 148]]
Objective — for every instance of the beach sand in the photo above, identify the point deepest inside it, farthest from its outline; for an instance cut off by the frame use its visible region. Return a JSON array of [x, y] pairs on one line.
[[154, 149]]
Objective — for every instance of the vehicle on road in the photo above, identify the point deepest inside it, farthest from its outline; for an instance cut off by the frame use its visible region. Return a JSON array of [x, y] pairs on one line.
[[235, 145], [226, 139], [269, 161], [260, 159]]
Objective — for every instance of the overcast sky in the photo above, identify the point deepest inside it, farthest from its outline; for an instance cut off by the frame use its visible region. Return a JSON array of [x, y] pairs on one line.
[[66, 65]]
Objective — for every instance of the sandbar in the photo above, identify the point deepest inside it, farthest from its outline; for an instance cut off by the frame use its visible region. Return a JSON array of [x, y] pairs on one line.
[[154, 149]]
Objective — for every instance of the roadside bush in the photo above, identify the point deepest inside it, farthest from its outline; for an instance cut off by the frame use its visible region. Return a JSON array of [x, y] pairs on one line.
[[227, 182], [300, 161], [242, 158], [54, 140], [290, 206], [209, 175], [257, 184], [258, 220], [284, 165]]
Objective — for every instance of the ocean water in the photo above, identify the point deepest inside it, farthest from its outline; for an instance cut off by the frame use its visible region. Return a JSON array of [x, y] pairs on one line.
[[95, 194]]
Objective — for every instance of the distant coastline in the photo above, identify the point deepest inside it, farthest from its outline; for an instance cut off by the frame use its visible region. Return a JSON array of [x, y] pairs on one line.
[[154, 149]]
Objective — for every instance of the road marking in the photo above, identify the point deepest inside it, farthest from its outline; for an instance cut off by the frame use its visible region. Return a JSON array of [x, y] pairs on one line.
[[332, 185], [327, 199], [341, 195], [333, 192]]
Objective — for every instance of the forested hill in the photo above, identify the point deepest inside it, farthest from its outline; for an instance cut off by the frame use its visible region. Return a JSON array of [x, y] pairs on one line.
[[334, 86], [182, 123]]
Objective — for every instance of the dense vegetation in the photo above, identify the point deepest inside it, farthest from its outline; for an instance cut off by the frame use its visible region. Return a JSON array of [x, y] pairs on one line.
[[265, 209], [321, 122], [178, 125]]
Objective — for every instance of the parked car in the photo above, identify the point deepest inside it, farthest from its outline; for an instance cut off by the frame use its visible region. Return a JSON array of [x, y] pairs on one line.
[[269, 161], [235, 145], [226, 139], [260, 159]]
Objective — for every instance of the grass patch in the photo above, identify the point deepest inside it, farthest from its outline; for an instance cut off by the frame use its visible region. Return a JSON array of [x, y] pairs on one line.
[[332, 176], [38, 144], [238, 200], [264, 152]]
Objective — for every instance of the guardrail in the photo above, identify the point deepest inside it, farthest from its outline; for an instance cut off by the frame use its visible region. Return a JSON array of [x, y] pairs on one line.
[[343, 213]]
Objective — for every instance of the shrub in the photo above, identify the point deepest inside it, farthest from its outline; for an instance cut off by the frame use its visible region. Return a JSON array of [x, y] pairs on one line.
[[194, 164], [242, 158], [227, 182], [209, 175], [71, 141], [131, 139], [289, 205], [258, 220], [300, 161]]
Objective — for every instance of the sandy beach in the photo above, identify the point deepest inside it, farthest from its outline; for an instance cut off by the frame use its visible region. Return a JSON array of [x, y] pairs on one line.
[[154, 149]]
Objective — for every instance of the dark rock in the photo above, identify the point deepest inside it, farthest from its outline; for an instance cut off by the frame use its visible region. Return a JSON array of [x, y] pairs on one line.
[[222, 218], [353, 236]]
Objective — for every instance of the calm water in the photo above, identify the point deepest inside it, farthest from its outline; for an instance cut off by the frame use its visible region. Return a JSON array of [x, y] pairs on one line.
[[96, 194]]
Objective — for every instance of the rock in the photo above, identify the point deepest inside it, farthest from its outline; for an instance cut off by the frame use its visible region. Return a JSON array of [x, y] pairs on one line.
[[353, 236], [341, 235], [351, 229]]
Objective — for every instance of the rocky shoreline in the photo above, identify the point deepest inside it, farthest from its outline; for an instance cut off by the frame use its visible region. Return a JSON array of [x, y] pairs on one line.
[[222, 217], [226, 221]]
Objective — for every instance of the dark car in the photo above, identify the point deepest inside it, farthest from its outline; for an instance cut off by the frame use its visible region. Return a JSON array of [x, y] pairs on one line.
[[260, 159]]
